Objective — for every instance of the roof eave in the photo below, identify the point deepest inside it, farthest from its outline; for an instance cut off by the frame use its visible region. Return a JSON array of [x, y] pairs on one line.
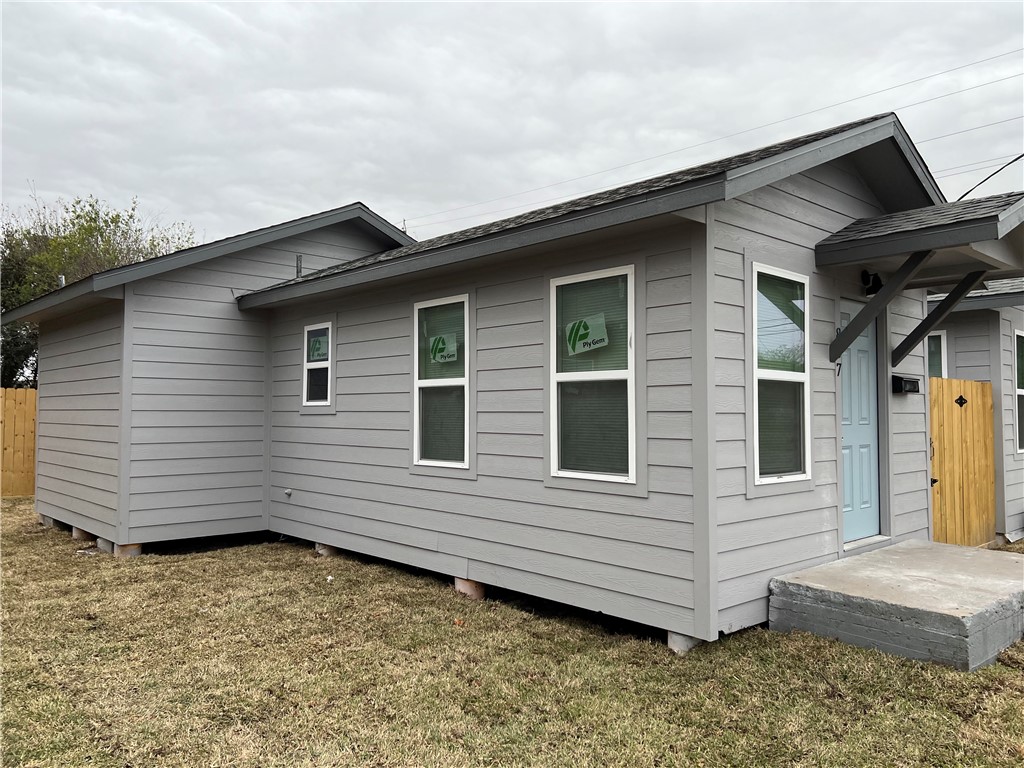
[[899, 243], [740, 181], [200, 253], [688, 195], [989, 301], [114, 278], [44, 306]]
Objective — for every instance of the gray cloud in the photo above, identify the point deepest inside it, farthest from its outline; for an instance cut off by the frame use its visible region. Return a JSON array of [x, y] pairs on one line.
[[237, 116]]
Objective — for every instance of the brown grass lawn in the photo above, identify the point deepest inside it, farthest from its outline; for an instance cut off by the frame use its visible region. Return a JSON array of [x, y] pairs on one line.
[[260, 654]]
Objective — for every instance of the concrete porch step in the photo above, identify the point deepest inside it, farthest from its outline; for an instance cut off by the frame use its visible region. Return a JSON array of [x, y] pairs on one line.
[[921, 600]]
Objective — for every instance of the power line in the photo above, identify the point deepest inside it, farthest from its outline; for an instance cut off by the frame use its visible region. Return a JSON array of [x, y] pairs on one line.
[[571, 195], [976, 162], [965, 194], [968, 130], [979, 168], [729, 136]]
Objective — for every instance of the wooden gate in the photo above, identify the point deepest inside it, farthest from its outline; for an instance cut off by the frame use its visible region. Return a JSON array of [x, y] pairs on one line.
[[18, 427], [963, 462]]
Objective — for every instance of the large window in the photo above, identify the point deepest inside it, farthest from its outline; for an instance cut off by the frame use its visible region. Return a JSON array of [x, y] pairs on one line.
[[441, 399], [316, 365], [782, 433], [936, 348], [1018, 373], [593, 432]]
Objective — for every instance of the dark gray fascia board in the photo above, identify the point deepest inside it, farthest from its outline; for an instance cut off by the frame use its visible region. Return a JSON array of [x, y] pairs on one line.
[[201, 253], [143, 269], [620, 212], [991, 301], [764, 172], [739, 181], [49, 301], [900, 243], [1011, 218]]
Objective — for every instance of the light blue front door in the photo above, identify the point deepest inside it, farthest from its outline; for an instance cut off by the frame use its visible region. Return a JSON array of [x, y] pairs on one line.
[[859, 383]]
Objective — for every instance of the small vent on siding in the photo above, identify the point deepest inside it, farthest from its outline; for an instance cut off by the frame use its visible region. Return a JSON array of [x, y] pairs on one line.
[[298, 265]]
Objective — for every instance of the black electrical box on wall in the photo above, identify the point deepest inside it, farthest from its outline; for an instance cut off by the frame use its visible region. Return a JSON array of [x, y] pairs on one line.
[[902, 385]]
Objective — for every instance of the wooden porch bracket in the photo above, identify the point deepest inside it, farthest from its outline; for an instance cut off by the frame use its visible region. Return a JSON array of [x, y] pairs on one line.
[[878, 303], [936, 316]]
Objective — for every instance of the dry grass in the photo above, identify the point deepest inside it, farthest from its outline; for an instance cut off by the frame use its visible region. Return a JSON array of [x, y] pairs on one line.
[[253, 655]]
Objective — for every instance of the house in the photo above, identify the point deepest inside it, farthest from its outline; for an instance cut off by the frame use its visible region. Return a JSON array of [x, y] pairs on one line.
[[983, 340], [646, 402]]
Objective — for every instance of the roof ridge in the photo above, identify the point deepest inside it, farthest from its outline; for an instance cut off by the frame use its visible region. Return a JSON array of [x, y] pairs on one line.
[[650, 184]]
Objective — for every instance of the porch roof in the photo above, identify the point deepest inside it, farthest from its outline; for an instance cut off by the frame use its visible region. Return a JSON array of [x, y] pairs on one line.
[[948, 245]]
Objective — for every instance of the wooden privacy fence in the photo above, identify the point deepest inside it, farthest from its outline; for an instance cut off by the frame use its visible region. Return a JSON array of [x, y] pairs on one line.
[[963, 462], [18, 427]]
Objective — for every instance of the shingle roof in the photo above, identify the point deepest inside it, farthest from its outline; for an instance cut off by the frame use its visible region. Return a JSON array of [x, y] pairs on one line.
[[1008, 285], [635, 189], [924, 218]]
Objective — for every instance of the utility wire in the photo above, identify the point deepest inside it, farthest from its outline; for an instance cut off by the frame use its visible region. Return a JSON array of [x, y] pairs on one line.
[[571, 195], [976, 162], [972, 170], [968, 130], [965, 194], [722, 138]]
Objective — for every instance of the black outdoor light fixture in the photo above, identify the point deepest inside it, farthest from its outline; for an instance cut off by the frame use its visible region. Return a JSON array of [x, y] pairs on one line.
[[871, 281]]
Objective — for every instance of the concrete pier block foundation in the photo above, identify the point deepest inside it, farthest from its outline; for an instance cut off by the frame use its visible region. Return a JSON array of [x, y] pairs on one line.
[[933, 602], [46, 521], [104, 545], [474, 590], [325, 550], [79, 535], [127, 550], [682, 644]]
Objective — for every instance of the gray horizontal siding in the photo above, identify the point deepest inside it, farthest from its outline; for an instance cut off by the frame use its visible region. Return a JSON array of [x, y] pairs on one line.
[[766, 533], [349, 472], [198, 388], [79, 418], [1010, 471]]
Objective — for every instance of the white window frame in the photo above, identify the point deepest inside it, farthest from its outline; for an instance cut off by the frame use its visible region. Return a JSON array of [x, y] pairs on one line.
[[452, 382], [1018, 338], [945, 356], [308, 366], [802, 378], [628, 375]]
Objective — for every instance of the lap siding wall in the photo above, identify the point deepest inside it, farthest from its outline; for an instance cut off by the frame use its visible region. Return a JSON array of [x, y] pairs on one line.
[[79, 417], [198, 388], [350, 477], [764, 535]]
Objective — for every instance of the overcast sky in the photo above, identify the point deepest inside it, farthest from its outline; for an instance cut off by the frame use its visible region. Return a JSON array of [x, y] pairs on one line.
[[237, 116]]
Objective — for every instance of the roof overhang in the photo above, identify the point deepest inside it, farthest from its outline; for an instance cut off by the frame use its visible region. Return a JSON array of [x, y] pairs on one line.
[[876, 148], [884, 137], [958, 255], [580, 222], [994, 244], [76, 296], [989, 301]]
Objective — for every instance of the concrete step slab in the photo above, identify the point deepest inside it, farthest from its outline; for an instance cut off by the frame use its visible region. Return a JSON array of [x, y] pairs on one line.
[[934, 602]]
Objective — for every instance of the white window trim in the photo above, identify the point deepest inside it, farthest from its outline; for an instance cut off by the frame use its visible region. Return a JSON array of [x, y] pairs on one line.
[[804, 378], [1018, 337], [629, 375], [945, 356], [308, 366], [452, 382]]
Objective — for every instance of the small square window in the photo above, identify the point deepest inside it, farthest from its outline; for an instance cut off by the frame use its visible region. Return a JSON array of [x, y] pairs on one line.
[[316, 366]]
